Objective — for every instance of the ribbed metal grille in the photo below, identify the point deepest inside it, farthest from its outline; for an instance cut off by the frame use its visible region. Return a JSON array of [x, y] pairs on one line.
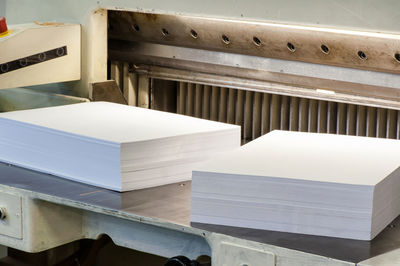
[[258, 113]]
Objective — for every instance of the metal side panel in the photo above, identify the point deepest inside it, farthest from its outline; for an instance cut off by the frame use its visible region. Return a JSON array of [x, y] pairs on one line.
[[11, 225], [47, 225], [33, 226], [148, 238], [29, 60], [388, 259], [245, 255]]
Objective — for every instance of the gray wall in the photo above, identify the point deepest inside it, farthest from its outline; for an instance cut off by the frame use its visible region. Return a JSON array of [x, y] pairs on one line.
[[2, 8], [379, 15]]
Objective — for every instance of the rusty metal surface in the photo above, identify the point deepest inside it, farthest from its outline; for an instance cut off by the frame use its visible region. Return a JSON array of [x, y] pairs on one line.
[[250, 72], [107, 91], [355, 49]]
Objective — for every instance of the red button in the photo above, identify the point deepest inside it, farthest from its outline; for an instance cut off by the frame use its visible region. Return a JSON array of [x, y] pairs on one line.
[[3, 25]]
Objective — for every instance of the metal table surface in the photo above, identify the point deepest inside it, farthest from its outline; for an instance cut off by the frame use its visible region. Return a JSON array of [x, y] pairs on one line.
[[171, 203]]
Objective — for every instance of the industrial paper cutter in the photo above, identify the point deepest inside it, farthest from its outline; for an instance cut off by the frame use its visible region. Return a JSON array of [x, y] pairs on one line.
[[331, 68]]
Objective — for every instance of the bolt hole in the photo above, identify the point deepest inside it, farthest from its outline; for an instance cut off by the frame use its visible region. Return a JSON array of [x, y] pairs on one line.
[[256, 41], [194, 34], [131, 68], [165, 32], [23, 62], [3, 214], [136, 27], [225, 39], [42, 57], [291, 47], [362, 55], [4, 68], [397, 57], [325, 49], [60, 51]]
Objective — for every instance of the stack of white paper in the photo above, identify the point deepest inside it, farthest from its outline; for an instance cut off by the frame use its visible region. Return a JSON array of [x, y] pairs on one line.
[[110, 145], [318, 184]]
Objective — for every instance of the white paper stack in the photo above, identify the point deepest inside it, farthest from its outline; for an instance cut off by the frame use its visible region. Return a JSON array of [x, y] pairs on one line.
[[317, 184], [110, 145]]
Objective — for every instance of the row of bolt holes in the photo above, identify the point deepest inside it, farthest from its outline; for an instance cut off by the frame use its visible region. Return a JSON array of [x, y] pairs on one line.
[[24, 61], [257, 42]]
